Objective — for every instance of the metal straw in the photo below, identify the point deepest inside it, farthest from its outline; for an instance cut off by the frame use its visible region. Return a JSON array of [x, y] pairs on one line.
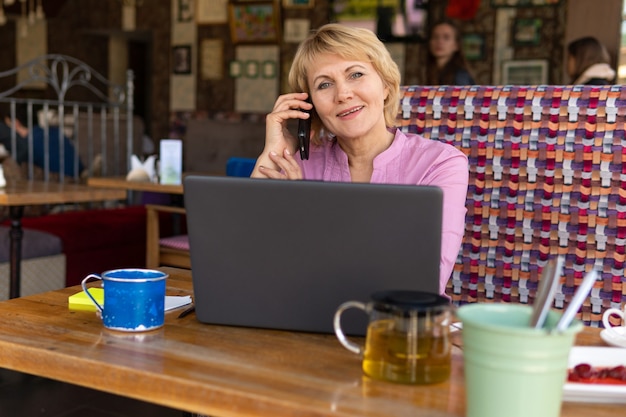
[[577, 300]]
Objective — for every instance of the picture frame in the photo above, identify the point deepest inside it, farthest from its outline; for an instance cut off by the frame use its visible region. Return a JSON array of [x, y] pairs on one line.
[[184, 11], [254, 22], [211, 59], [211, 12], [251, 69], [296, 30], [473, 45], [235, 69], [298, 4], [181, 59], [527, 32], [524, 3], [268, 69], [525, 72]]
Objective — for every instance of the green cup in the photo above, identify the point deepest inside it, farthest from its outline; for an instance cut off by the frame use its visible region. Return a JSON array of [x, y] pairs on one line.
[[512, 369]]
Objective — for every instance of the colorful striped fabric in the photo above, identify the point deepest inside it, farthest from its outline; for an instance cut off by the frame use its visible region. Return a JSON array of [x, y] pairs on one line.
[[547, 178]]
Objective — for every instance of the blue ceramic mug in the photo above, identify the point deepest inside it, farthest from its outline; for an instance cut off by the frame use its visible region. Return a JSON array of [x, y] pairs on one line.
[[134, 299]]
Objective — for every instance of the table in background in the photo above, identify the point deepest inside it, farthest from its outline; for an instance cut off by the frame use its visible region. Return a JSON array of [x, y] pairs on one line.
[[123, 184], [145, 186], [220, 370], [17, 195]]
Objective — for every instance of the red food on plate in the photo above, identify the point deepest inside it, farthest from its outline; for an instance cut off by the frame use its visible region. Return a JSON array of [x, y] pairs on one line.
[[587, 374]]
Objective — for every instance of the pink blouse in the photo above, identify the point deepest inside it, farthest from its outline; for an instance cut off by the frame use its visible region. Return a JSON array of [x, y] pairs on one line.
[[411, 159]]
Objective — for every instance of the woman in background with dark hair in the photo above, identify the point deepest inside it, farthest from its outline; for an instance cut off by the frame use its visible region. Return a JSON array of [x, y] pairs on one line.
[[588, 62], [445, 62]]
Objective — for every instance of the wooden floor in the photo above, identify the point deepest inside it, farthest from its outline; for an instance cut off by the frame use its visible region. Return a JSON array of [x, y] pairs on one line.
[[24, 395]]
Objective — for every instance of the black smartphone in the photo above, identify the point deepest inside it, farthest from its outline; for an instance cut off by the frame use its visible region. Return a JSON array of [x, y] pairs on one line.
[[304, 134]]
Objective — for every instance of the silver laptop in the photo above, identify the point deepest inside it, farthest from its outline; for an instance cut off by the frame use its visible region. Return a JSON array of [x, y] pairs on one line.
[[285, 254]]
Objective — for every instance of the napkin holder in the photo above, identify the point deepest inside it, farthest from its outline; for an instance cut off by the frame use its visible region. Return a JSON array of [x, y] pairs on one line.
[[142, 171]]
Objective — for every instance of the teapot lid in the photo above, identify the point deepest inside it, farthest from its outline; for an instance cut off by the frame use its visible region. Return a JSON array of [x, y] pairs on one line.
[[409, 300]]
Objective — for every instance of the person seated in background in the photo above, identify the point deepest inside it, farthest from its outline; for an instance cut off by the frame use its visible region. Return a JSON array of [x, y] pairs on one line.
[[445, 61], [354, 86], [20, 155], [588, 62]]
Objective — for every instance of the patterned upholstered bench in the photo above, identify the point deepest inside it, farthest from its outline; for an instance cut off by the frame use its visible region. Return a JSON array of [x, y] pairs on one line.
[[547, 178]]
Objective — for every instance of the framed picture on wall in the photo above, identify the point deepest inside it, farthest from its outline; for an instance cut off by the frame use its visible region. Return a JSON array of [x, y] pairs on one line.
[[527, 32], [524, 3], [268, 69], [473, 45], [254, 22], [211, 11], [212, 59], [525, 72], [296, 30], [181, 57], [235, 69], [293, 4], [184, 12]]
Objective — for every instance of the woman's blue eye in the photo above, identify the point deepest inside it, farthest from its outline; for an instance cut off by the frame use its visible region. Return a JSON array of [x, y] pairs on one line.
[[356, 75], [323, 86]]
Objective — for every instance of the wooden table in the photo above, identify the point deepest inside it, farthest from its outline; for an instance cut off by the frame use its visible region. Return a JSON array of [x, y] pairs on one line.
[[220, 370], [122, 184], [17, 195]]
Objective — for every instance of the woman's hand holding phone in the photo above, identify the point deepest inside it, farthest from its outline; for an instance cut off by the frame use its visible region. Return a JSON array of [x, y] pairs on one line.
[[277, 159]]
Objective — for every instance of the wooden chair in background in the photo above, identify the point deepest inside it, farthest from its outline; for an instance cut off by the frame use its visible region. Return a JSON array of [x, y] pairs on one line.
[[170, 251]]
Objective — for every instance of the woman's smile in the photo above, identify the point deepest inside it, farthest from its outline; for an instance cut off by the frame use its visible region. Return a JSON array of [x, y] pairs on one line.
[[351, 113]]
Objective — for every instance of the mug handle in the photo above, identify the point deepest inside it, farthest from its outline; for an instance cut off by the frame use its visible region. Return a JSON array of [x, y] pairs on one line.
[[84, 285], [608, 313], [352, 347]]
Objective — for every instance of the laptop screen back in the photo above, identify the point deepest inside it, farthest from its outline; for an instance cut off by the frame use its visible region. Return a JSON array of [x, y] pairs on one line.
[[285, 254]]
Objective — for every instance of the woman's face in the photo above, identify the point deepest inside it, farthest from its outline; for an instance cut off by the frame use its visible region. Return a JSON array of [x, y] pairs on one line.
[[349, 96], [442, 42], [571, 66]]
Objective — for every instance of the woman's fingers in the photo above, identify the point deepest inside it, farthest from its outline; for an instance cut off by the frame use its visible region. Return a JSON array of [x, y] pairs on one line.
[[267, 172], [293, 101], [288, 167]]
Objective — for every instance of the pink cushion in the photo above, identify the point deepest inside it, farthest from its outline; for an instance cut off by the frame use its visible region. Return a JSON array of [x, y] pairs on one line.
[[180, 242]]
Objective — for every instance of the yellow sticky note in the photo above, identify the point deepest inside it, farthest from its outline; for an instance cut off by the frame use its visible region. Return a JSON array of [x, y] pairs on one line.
[[81, 301]]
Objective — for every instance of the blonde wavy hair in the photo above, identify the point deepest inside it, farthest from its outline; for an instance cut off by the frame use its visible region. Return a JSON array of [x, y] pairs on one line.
[[353, 44]]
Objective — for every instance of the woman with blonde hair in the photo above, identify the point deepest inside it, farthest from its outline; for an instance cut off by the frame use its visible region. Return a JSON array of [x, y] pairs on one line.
[[353, 83]]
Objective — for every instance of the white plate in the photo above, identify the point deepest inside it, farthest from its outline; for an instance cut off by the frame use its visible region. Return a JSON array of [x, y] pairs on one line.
[[615, 337], [603, 393]]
